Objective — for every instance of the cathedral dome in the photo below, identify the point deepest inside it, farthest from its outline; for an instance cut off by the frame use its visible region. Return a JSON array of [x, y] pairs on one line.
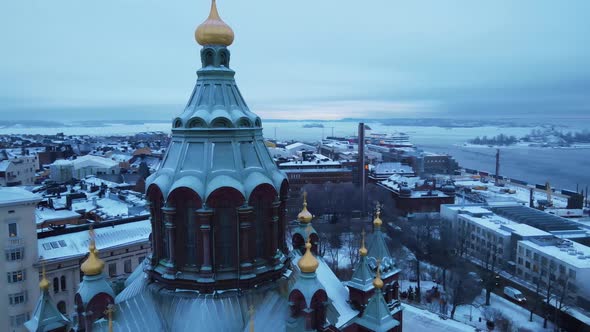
[[308, 263], [214, 31], [305, 216], [93, 265]]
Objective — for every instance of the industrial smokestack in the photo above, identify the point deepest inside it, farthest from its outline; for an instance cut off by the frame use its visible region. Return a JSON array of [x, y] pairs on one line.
[[532, 199], [497, 167], [361, 166]]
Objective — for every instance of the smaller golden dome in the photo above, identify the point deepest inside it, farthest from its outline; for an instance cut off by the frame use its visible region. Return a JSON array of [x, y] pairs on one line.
[[305, 216], [93, 265], [363, 250], [308, 263], [214, 31], [378, 283], [378, 222]]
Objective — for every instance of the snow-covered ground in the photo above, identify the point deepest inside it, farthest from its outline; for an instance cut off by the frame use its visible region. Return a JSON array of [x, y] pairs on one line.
[[518, 315], [416, 319]]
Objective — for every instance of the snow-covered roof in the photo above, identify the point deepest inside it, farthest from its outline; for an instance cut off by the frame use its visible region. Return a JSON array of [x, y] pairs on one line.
[[392, 168], [573, 253], [15, 195], [298, 146], [49, 215], [4, 165], [501, 225], [67, 246], [87, 161]]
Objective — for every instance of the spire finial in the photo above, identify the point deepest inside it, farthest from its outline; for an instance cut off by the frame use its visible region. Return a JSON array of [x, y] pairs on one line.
[[363, 250], [93, 265], [378, 283], [305, 216], [378, 222], [109, 313], [44, 283], [251, 311], [214, 31]]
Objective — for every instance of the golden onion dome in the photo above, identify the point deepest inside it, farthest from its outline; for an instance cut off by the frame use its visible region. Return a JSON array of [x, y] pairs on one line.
[[378, 283], [363, 250], [308, 263], [214, 31], [305, 216], [44, 284], [93, 265], [378, 222]]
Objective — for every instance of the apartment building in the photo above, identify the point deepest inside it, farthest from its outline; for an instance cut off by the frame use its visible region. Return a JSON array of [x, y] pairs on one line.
[[485, 233], [554, 260], [18, 243], [17, 171]]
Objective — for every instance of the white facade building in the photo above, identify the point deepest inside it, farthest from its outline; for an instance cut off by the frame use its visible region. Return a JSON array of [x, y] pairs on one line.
[[552, 259], [18, 171], [486, 233], [122, 247], [81, 167], [19, 282]]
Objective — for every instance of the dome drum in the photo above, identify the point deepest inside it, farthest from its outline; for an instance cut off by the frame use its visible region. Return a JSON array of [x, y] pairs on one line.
[[220, 243]]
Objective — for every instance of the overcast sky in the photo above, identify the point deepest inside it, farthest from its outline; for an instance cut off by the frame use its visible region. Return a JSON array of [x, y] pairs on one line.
[[300, 59]]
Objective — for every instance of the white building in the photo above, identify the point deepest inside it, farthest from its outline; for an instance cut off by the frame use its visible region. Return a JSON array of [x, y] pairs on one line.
[[18, 243], [18, 171], [65, 170], [122, 247], [553, 259], [485, 233]]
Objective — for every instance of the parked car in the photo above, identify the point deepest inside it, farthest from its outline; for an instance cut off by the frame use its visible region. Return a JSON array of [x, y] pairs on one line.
[[514, 294]]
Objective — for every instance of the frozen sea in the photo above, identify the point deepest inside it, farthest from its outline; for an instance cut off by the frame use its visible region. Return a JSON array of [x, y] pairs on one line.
[[563, 168]]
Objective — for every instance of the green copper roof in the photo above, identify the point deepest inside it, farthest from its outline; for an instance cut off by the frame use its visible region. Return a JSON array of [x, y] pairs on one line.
[[377, 316], [46, 316], [362, 277]]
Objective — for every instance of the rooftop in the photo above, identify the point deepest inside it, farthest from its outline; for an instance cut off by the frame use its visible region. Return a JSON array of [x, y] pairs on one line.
[[73, 245], [15, 195], [569, 252]]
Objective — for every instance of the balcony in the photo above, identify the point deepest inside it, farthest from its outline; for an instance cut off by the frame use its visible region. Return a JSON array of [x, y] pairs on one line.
[[14, 242]]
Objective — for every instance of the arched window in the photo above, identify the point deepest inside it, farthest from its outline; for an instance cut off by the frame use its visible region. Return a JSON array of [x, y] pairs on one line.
[[55, 285], [261, 199], [186, 201], [159, 248], [61, 306], [225, 202], [225, 220], [63, 283]]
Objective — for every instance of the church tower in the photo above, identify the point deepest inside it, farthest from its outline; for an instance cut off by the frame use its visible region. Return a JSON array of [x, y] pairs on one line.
[[46, 317], [217, 203], [95, 293]]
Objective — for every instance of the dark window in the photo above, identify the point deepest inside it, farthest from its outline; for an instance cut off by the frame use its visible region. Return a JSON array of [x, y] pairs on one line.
[[12, 230], [112, 269], [63, 282], [127, 266], [55, 285], [225, 236], [14, 254], [16, 276]]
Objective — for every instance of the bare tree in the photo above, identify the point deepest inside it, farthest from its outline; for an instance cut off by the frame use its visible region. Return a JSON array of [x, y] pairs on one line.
[[564, 289], [489, 273], [462, 288]]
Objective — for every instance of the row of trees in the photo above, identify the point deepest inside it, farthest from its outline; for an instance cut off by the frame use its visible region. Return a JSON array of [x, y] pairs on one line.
[[496, 140]]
